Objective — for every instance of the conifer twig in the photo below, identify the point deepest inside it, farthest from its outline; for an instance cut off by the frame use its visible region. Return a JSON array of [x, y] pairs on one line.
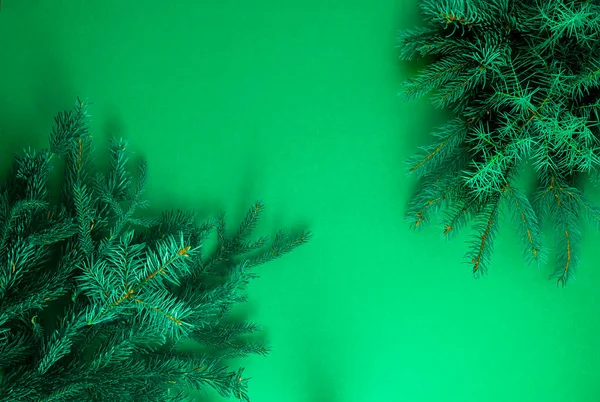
[[524, 78]]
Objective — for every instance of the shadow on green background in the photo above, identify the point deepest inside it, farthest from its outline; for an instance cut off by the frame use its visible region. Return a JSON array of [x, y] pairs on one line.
[[296, 104]]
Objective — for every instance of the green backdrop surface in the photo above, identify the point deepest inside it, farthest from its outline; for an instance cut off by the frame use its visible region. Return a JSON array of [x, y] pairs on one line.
[[296, 103]]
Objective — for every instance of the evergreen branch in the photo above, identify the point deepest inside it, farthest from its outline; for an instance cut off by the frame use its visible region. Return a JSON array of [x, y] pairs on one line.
[[587, 81], [451, 136], [64, 393], [431, 197], [33, 169], [433, 77], [488, 176], [212, 374], [14, 349], [126, 259], [222, 232], [147, 222], [282, 244], [59, 230], [70, 126], [451, 12], [219, 333], [129, 296], [237, 351], [558, 20], [172, 313], [118, 182], [230, 249], [77, 165], [20, 385], [417, 40], [9, 225], [60, 342], [458, 214], [23, 257], [169, 258], [568, 259], [85, 218], [35, 295], [528, 90], [96, 280], [481, 245], [158, 265], [562, 205], [115, 350], [526, 220], [249, 222], [456, 87]]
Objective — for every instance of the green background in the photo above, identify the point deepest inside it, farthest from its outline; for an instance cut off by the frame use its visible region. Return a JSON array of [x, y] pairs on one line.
[[296, 103]]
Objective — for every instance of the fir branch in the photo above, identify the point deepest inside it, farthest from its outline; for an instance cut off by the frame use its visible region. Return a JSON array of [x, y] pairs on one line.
[[33, 169], [60, 229], [118, 181], [282, 244], [524, 79], [220, 333], [128, 296], [563, 206], [14, 349], [249, 222], [451, 137], [85, 217], [69, 127], [458, 214], [233, 350], [481, 244], [59, 344], [526, 221], [431, 197], [433, 77], [160, 309], [418, 40]]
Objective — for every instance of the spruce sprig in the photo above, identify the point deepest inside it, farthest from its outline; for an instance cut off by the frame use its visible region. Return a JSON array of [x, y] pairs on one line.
[[95, 301], [523, 83]]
